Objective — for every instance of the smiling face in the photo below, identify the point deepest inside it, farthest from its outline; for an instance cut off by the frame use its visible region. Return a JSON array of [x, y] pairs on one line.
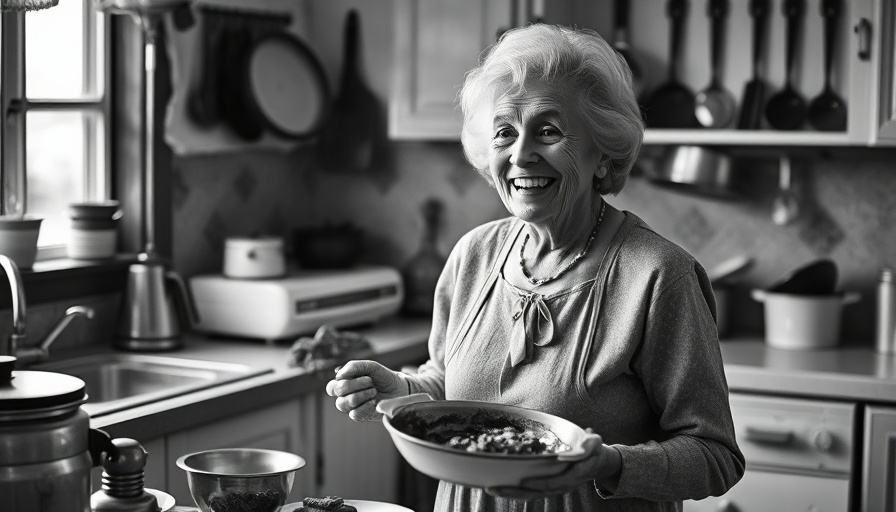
[[542, 161]]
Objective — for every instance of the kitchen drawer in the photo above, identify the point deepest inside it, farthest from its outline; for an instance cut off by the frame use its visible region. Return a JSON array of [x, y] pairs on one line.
[[764, 491]]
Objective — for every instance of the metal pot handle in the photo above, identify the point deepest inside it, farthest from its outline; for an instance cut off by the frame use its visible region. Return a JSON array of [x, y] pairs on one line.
[[388, 407], [99, 443], [190, 312]]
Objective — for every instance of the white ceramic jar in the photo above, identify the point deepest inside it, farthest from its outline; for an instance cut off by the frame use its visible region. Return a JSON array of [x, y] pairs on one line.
[[254, 258], [93, 230], [803, 322]]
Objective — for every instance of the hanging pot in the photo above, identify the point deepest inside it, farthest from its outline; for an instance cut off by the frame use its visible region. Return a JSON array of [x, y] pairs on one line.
[[287, 86], [697, 170]]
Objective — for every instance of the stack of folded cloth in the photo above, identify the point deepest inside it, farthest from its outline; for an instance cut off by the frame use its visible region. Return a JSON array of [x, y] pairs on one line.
[[328, 348]]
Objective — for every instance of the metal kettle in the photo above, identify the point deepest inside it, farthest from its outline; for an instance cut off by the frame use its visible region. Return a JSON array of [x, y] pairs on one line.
[[156, 306], [47, 448]]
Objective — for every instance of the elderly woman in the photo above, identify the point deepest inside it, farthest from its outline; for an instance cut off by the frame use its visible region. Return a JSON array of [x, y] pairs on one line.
[[570, 306]]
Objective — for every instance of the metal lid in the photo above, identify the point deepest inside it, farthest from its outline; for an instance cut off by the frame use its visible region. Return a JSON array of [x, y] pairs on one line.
[[34, 394]]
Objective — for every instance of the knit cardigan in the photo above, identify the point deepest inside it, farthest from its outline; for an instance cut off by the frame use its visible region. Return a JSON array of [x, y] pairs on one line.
[[655, 349]]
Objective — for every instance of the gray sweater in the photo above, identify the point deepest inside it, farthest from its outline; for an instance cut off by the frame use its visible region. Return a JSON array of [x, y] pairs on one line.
[[650, 370]]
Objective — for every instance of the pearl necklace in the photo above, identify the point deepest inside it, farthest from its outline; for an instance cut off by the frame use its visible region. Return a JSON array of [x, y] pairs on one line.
[[575, 260]]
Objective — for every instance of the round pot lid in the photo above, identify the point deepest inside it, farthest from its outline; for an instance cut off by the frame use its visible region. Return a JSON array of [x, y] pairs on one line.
[[35, 394], [287, 85]]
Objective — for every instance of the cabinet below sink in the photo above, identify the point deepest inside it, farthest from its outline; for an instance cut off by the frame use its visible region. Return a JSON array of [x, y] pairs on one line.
[[115, 382]]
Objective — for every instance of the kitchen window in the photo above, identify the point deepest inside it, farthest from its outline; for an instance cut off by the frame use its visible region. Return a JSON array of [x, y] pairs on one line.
[[56, 78]]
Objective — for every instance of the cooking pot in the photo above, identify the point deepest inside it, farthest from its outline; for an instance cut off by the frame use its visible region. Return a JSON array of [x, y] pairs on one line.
[[720, 277], [254, 258], [697, 170], [328, 246], [803, 322], [47, 448]]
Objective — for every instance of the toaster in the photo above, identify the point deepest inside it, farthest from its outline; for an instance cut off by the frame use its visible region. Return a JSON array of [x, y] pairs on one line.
[[297, 303]]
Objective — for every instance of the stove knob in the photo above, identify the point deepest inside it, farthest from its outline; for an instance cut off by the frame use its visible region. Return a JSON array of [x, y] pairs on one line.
[[822, 440]]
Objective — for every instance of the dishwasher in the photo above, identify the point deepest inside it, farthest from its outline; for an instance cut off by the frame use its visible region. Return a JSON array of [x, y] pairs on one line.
[[799, 452]]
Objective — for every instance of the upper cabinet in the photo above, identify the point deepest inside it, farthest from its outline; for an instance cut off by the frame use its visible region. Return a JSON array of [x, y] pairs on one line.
[[884, 102], [437, 41]]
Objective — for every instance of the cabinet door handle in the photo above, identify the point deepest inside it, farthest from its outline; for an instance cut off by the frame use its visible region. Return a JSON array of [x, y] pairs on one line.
[[863, 31], [769, 436]]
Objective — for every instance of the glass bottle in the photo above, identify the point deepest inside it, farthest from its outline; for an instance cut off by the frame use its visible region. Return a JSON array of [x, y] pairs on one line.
[[885, 337], [422, 271]]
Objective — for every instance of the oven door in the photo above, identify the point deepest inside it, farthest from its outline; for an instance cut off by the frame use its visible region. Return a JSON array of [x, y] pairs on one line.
[[764, 491], [799, 456]]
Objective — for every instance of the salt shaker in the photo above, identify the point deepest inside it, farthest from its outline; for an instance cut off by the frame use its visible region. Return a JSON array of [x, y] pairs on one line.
[[885, 333]]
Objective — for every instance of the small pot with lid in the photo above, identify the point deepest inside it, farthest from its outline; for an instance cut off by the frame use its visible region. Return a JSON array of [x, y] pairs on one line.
[[254, 258], [47, 448]]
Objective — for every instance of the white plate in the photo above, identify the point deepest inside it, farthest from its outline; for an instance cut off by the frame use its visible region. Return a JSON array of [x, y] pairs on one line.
[[361, 505]]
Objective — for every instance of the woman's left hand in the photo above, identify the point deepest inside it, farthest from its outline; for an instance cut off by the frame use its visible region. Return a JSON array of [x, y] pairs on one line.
[[601, 462]]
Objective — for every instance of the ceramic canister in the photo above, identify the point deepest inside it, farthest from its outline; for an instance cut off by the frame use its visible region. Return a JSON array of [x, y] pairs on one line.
[[254, 258]]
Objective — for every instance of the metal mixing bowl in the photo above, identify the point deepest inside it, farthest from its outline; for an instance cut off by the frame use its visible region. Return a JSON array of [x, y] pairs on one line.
[[240, 479]]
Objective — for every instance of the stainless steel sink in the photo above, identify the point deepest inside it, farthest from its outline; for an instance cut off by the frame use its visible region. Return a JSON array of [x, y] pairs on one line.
[[120, 381]]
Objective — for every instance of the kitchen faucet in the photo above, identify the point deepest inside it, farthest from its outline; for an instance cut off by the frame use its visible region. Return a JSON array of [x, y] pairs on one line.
[[15, 345]]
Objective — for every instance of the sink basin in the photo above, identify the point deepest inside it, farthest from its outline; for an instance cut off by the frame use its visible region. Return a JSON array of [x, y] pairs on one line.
[[120, 381]]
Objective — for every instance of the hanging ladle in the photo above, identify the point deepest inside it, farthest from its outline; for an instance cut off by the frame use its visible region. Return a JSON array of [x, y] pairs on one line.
[[715, 105], [827, 112], [785, 208], [786, 110]]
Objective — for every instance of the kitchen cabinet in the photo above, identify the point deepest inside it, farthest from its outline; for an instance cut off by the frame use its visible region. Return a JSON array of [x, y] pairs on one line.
[[342, 457], [436, 42], [879, 467], [358, 459], [863, 69], [435, 47], [886, 100], [278, 427]]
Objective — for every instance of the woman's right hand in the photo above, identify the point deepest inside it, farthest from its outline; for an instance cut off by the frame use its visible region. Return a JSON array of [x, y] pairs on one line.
[[359, 385]]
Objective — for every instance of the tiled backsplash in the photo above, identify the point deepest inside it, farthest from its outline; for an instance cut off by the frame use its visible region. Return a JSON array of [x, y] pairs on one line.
[[848, 213]]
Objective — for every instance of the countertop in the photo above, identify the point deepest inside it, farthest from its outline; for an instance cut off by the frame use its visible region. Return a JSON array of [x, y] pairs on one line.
[[847, 373], [395, 341], [852, 373]]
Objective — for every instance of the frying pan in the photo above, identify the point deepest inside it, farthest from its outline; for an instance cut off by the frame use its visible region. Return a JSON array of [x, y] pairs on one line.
[[621, 45], [286, 85], [672, 105], [786, 110], [354, 136], [754, 91]]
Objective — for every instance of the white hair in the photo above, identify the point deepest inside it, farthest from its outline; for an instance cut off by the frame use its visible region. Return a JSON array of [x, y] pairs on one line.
[[577, 57]]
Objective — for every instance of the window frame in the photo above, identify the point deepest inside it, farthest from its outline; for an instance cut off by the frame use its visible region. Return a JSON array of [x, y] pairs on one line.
[[96, 99]]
